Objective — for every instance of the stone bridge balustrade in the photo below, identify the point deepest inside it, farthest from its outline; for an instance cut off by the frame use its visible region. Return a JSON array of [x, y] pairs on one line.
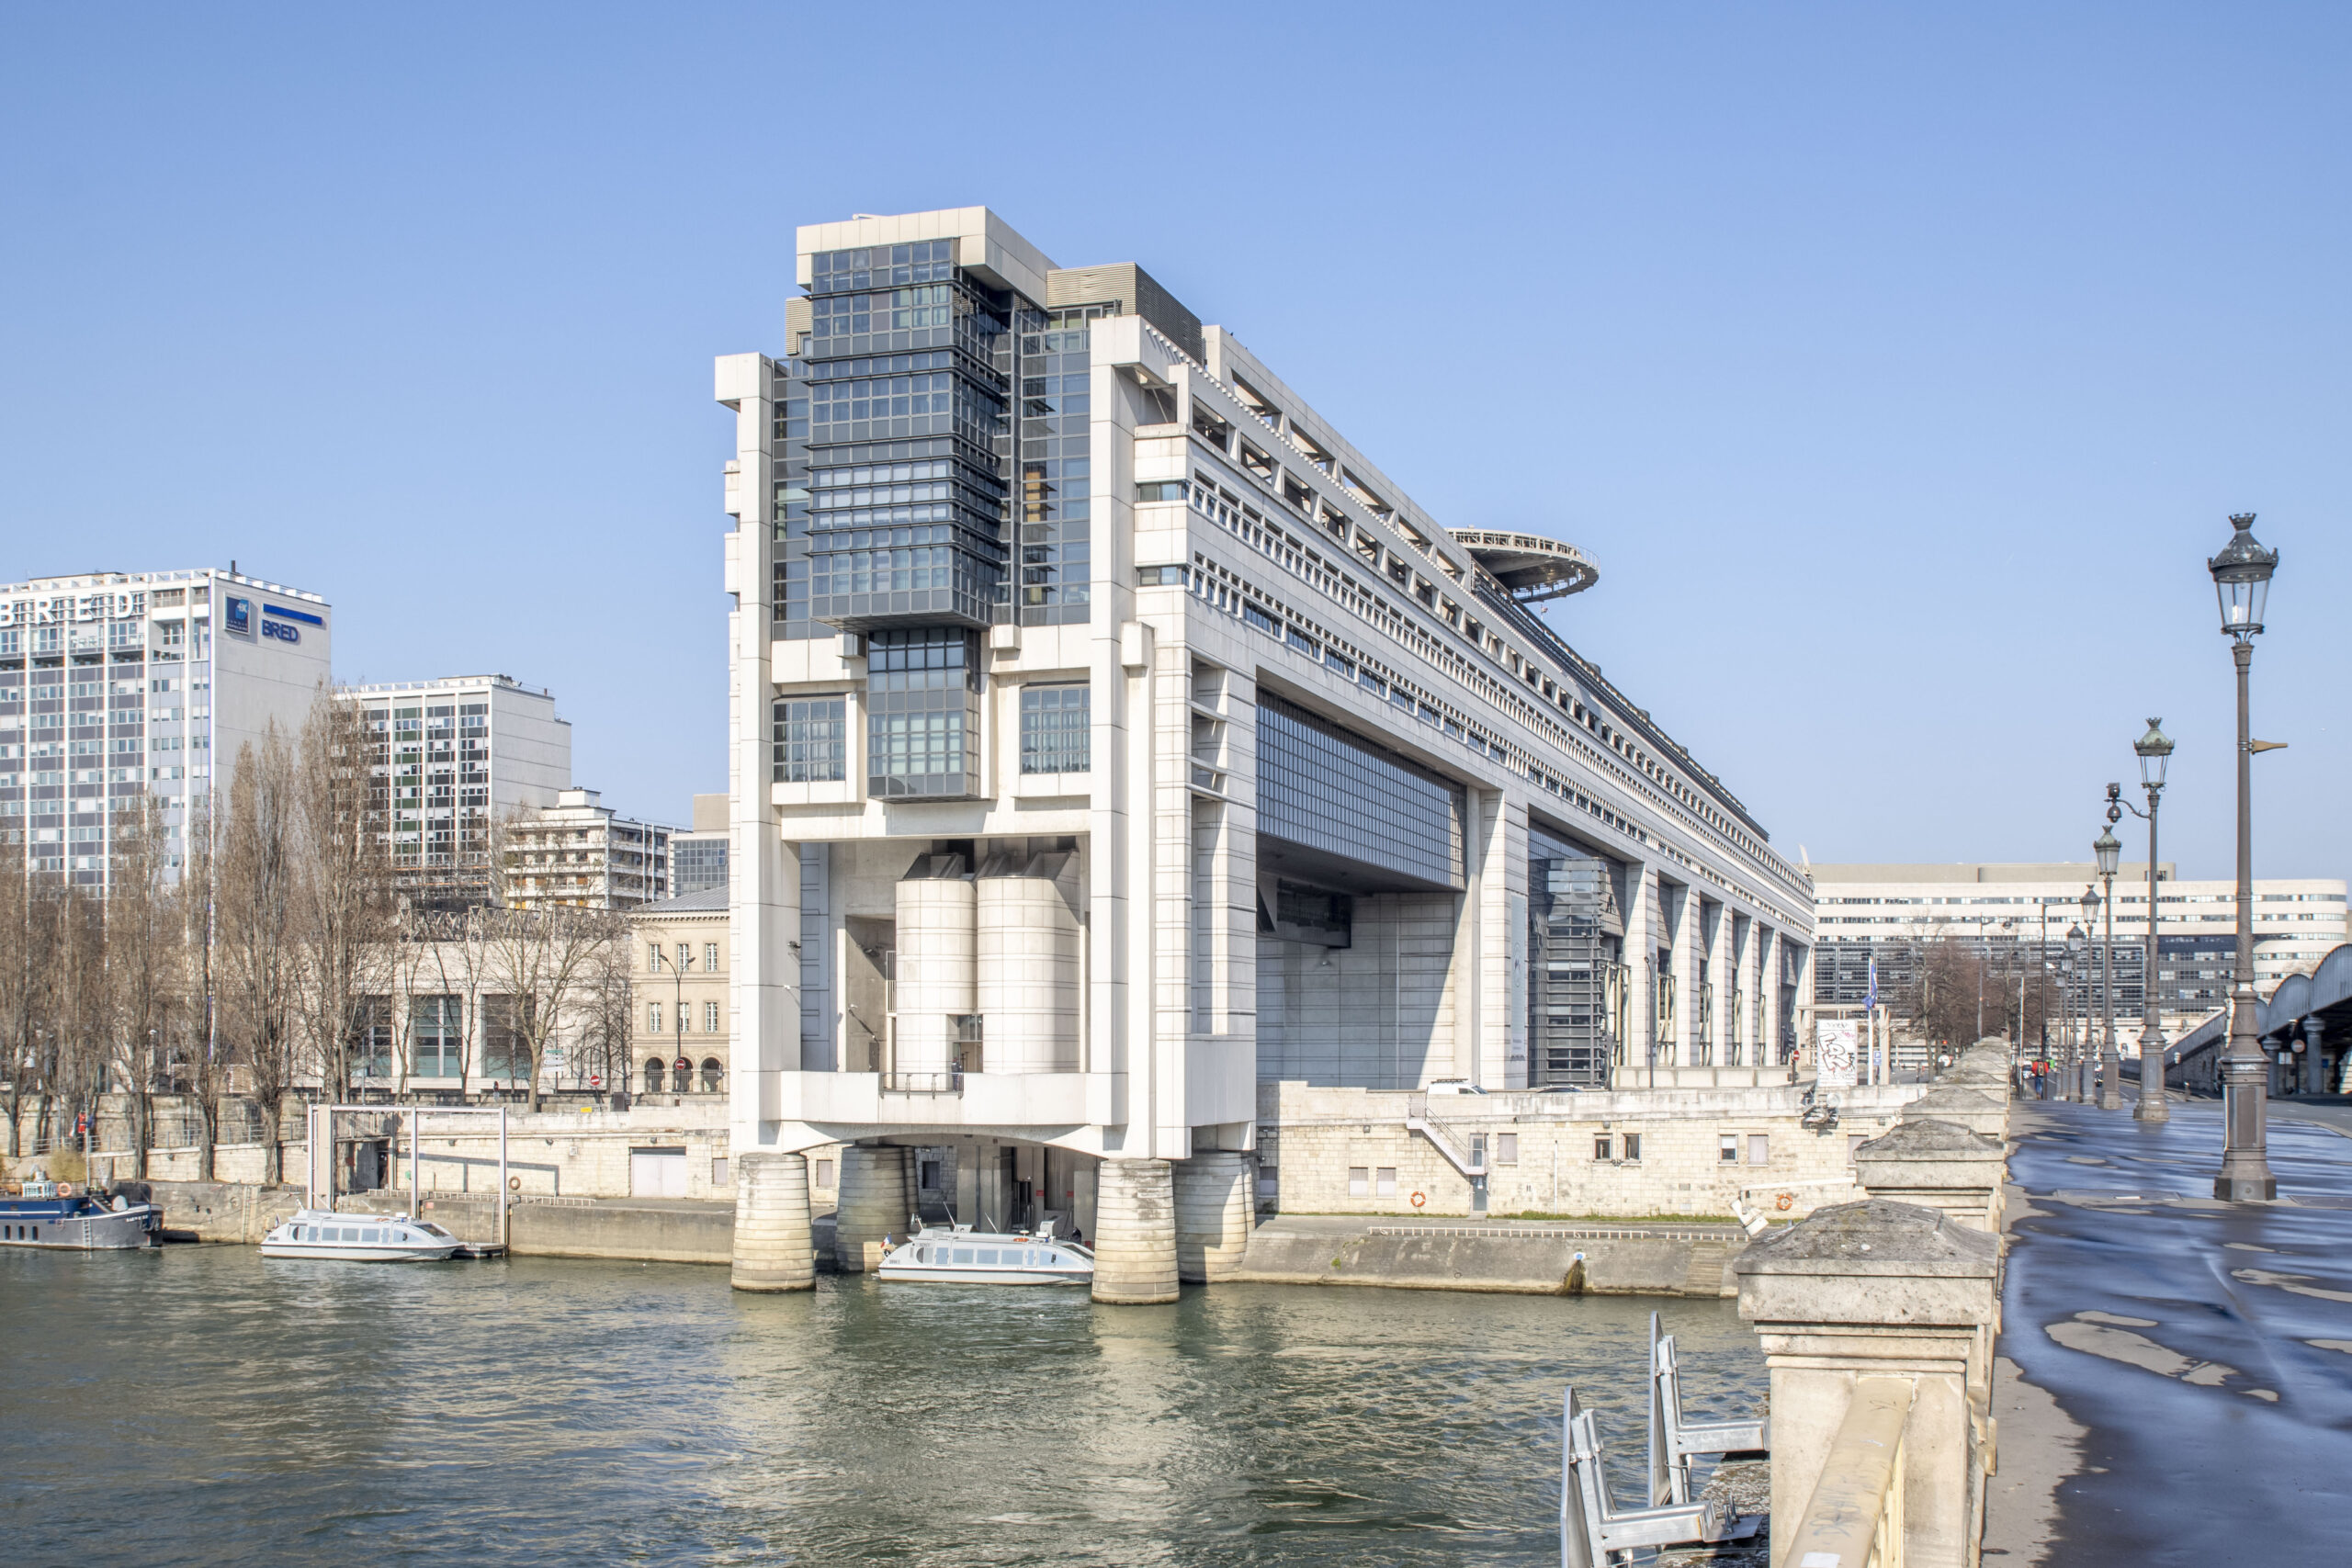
[[1937, 1164], [1862, 1303]]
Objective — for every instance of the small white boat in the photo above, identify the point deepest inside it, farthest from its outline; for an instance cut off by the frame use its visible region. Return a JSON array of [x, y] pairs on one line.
[[359, 1239], [958, 1255]]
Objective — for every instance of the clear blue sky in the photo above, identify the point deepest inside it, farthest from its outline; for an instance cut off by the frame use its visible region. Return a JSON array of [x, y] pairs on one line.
[[1897, 363]]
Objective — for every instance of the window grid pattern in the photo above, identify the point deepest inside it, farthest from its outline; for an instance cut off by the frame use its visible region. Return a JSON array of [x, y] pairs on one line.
[[1327, 793], [1055, 732], [811, 745]]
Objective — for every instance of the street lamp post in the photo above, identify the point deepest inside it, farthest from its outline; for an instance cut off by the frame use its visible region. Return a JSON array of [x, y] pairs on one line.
[[2078, 992], [2154, 750], [2084, 1062], [2242, 582], [2109, 850], [678, 999]]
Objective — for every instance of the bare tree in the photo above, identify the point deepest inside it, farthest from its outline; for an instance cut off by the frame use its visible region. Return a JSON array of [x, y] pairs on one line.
[[342, 885], [196, 912], [607, 1011], [258, 900], [143, 968], [542, 959], [22, 978]]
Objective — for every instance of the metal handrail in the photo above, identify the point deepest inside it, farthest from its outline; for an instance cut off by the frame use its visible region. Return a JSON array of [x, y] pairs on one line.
[[947, 1081]]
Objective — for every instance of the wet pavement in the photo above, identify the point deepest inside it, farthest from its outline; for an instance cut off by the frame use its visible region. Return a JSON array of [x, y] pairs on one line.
[[2175, 1379]]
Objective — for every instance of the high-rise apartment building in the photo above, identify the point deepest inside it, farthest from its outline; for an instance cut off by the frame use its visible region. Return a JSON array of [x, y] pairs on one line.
[[1112, 738], [699, 859], [582, 855], [115, 686], [453, 757]]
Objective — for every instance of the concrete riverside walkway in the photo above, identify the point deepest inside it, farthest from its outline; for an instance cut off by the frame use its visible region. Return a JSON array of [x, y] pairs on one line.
[[2174, 1381]]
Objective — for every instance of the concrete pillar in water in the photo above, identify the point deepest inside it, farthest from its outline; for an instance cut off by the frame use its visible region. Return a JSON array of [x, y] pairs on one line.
[[938, 956], [873, 1201], [1028, 945], [1213, 1208], [772, 1249], [1135, 1233]]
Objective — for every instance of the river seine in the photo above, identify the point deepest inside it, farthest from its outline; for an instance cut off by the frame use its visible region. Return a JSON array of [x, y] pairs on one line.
[[201, 1405]]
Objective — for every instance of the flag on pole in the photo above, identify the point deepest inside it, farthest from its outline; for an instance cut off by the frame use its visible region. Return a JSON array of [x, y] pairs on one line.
[[1871, 1000]]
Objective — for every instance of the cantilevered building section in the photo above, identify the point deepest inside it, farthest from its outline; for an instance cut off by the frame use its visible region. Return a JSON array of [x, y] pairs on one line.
[[1112, 738], [117, 686]]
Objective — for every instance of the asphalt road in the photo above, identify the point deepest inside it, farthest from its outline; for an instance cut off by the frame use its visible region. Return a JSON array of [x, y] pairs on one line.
[[2175, 1381]]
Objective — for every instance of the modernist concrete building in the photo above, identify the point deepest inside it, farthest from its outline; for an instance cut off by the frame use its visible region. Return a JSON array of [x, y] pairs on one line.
[[582, 855], [2018, 915], [454, 756], [1110, 736], [118, 685]]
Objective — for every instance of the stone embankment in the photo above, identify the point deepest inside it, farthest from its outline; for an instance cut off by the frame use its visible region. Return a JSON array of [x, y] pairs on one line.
[[1530, 1258], [658, 1230]]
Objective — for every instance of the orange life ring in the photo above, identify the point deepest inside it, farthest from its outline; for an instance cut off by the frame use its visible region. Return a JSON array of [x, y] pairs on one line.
[[1418, 1200], [1785, 1201], [66, 1190]]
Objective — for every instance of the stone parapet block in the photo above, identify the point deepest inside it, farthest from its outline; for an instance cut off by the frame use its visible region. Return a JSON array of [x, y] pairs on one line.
[[1938, 1165], [773, 1247], [1135, 1233], [1964, 1105], [1880, 1290]]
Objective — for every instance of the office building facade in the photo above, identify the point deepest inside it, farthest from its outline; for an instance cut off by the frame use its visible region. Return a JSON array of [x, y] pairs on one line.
[[2015, 917], [454, 757], [115, 687], [699, 859], [1111, 738]]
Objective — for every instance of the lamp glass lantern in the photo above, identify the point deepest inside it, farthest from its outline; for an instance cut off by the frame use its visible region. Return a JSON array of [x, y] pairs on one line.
[[2109, 850], [2155, 750], [2242, 578]]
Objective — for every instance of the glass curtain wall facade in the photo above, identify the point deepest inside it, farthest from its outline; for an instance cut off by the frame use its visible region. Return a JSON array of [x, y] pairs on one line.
[[1576, 997], [932, 481]]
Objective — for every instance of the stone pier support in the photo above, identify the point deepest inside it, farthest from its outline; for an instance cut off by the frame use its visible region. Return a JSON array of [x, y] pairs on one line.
[[1880, 1291], [1135, 1233], [772, 1249], [1979, 1113], [1215, 1206], [874, 1187]]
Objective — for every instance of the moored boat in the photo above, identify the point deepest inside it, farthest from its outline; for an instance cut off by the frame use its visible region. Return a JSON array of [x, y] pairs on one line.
[[57, 1216], [359, 1239], [958, 1255]]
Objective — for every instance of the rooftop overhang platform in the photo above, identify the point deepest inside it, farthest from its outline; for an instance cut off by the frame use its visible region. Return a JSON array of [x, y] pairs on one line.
[[1531, 568]]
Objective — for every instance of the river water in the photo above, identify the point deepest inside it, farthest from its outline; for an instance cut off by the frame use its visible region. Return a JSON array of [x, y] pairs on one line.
[[202, 1405]]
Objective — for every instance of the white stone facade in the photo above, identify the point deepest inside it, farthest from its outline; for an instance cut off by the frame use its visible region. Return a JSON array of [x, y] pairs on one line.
[[1633, 1154]]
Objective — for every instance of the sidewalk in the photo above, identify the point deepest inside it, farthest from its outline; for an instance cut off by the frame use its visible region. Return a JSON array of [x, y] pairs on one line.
[[2175, 1374]]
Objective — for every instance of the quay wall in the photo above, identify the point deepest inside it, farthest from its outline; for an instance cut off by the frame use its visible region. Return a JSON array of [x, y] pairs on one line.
[[1531, 1261], [1545, 1152]]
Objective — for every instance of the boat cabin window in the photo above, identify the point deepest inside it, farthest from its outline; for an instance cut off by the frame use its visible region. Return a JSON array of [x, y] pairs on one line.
[[963, 1255]]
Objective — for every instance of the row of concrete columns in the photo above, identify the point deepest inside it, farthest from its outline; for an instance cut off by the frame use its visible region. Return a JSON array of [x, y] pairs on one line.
[[1155, 1221]]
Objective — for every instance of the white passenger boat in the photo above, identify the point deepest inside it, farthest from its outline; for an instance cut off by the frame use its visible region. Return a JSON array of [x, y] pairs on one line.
[[958, 1255], [359, 1239]]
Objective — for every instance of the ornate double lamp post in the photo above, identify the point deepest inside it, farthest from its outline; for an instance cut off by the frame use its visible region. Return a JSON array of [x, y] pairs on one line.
[[2242, 581], [2109, 850], [2155, 750]]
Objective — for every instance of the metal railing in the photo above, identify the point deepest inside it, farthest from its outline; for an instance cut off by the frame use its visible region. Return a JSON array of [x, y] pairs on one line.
[[949, 1080]]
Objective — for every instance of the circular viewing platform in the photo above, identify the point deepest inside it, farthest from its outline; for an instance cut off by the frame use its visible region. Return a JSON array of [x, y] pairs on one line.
[[1530, 567]]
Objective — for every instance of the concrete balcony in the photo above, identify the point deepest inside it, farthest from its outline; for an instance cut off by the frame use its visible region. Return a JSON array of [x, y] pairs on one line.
[[856, 1105]]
